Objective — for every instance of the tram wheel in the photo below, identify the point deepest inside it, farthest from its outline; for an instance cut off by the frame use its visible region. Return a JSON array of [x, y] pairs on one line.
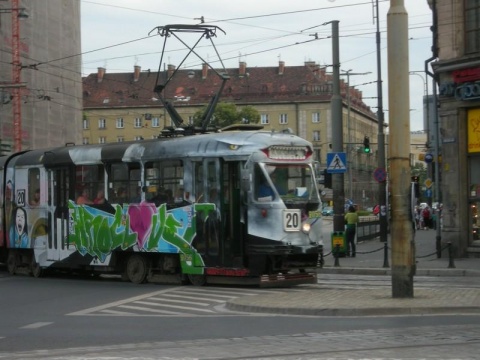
[[197, 280], [137, 269], [35, 268], [12, 262]]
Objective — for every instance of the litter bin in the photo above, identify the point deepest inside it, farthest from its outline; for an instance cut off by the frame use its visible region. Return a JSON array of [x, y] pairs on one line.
[[338, 238]]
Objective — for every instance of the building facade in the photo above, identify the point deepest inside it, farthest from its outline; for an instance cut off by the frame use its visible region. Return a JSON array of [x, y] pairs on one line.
[[49, 77], [123, 107], [457, 72]]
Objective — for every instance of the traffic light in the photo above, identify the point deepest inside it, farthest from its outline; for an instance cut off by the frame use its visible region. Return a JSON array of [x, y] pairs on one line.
[[366, 145], [327, 179]]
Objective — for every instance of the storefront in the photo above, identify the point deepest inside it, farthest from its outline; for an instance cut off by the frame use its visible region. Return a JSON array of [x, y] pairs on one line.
[[459, 129]]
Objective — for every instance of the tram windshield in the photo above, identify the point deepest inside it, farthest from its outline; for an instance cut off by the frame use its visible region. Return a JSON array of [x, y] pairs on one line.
[[292, 183]]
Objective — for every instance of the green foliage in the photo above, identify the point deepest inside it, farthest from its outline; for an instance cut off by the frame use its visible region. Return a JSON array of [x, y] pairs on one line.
[[226, 114]]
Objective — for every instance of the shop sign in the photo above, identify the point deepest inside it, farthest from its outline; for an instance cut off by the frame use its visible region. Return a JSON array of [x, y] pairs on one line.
[[462, 92], [473, 129]]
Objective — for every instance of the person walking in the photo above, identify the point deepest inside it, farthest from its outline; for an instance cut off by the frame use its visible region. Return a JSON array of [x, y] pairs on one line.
[[351, 220]]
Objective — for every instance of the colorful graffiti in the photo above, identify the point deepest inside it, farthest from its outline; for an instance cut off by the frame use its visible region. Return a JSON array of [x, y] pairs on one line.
[[140, 227]]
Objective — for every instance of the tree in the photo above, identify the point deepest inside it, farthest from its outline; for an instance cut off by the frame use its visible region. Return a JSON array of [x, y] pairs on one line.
[[227, 114]]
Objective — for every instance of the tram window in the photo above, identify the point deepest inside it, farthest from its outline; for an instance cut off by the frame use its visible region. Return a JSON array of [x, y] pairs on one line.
[[90, 178], [34, 187], [124, 182], [163, 179]]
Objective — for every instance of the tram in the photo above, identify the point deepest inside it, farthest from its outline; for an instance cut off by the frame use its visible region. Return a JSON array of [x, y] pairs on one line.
[[225, 207], [198, 205]]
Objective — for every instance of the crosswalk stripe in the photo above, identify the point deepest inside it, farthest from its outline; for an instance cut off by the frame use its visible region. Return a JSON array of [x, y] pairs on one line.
[[177, 301], [193, 298], [148, 310], [173, 306]]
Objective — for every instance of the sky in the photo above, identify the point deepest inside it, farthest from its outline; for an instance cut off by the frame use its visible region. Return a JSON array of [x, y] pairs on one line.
[[119, 34]]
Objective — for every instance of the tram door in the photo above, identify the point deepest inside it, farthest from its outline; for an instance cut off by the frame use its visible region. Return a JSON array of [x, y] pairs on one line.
[[218, 231], [59, 180]]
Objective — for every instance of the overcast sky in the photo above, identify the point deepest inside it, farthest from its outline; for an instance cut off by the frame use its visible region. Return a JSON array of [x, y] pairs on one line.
[[115, 35]]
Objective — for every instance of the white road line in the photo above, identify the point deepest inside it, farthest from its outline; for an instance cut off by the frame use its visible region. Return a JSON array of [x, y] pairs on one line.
[[148, 310], [114, 312], [36, 325], [207, 293], [193, 298], [177, 301], [174, 306], [120, 302], [239, 292]]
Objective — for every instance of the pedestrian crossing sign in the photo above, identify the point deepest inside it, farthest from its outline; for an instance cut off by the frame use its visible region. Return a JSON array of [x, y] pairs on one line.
[[336, 162]]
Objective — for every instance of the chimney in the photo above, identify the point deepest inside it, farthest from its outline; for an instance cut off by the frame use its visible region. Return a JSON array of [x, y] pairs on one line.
[[204, 71], [100, 73], [242, 68], [136, 73], [170, 70], [281, 67]]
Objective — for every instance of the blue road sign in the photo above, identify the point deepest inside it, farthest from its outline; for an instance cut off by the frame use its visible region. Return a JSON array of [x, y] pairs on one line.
[[336, 162], [428, 158]]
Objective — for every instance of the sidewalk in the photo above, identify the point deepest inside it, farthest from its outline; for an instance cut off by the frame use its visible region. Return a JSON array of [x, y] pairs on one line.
[[370, 259], [320, 301]]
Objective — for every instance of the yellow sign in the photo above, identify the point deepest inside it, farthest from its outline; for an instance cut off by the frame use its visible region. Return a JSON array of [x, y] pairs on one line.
[[473, 119], [428, 183], [337, 241]]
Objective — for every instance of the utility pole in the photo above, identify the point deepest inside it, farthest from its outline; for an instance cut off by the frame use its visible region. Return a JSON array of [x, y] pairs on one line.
[[382, 188], [349, 136], [399, 151], [337, 134]]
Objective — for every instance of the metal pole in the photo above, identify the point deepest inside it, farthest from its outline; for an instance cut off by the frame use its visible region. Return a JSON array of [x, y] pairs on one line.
[[349, 136], [399, 150], [17, 107], [337, 134], [382, 186], [349, 145]]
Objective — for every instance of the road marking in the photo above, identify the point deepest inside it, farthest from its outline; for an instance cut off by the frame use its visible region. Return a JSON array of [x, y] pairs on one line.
[[36, 325], [148, 310], [178, 301], [174, 306], [121, 302]]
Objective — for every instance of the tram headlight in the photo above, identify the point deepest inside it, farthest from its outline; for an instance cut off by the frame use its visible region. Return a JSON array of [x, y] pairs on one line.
[[306, 228]]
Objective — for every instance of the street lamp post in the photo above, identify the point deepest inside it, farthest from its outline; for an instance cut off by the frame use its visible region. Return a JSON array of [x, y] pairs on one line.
[[349, 143]]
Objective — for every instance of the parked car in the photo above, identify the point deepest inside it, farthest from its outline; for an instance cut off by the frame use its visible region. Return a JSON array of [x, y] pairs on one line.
[[327, 211]]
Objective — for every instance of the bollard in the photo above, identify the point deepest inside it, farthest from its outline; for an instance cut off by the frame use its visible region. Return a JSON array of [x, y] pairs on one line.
[[385, 255], [336, 254], [451, 265]]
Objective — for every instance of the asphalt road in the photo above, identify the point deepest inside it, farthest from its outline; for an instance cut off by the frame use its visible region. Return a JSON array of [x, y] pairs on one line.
[[78, 318]]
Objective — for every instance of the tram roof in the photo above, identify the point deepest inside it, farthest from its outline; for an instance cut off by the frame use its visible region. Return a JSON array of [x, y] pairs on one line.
[[237, 143]]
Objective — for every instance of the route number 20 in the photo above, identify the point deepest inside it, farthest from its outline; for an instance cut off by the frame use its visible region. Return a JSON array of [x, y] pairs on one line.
[[291, 220]]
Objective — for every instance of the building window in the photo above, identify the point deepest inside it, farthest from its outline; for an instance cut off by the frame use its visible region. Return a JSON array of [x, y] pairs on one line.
[[264, 119], [139, 137], [119, 123], [283, 119], [120, 139], [102, 124], [156, 122], [316, 135], [138, 122], [315, 117], [190, 120], [102, 140], [85, 141], [472, 26], [86, 124]]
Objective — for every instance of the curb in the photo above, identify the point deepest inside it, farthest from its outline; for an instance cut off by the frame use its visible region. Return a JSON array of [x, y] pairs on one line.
[[389, 311], [388, 271]]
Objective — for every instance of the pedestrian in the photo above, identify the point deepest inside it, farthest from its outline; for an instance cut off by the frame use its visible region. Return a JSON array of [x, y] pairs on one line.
[[84, 199], [351, 220]]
